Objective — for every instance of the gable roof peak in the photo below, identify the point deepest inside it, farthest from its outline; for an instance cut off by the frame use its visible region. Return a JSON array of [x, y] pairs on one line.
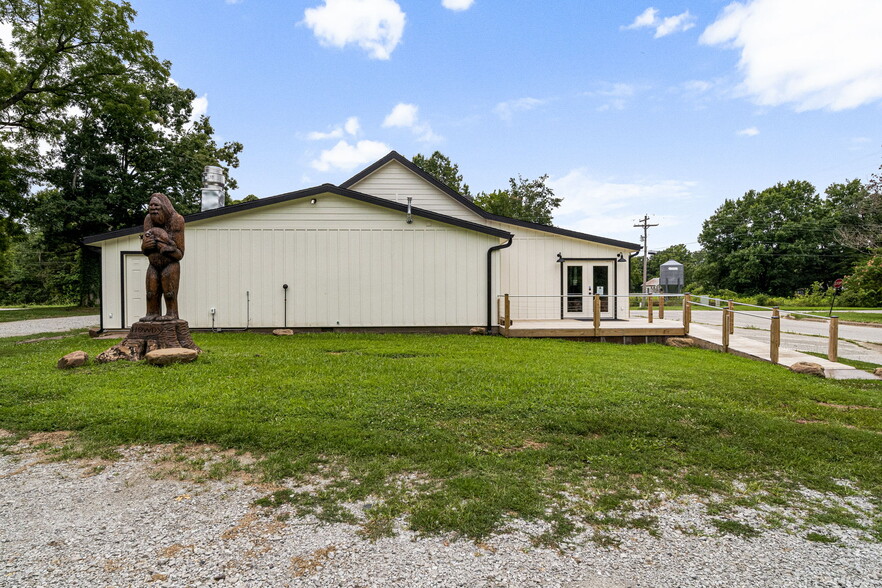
[[468, 203]]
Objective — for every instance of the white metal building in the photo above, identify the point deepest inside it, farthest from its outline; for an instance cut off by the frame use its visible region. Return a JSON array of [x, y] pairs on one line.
[[359, 255]]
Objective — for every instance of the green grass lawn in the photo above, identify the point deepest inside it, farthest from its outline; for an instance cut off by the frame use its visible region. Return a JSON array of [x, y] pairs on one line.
[[857, 317], [40, 312], [459, 433]]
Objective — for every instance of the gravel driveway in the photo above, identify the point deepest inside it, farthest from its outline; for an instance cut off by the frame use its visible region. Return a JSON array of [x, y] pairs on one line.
[[126, 523], [50, 325]]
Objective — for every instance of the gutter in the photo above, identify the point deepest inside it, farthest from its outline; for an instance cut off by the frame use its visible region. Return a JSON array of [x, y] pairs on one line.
[[490, 279]]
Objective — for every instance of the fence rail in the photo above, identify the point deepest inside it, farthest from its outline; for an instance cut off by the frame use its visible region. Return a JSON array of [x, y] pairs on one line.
[[728, 308]]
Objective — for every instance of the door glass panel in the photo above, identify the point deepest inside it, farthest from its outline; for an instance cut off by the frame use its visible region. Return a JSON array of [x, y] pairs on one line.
[[600, 278], [574, 288]]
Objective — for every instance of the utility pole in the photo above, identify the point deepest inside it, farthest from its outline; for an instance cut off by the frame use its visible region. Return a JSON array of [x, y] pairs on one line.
[[644, 224]]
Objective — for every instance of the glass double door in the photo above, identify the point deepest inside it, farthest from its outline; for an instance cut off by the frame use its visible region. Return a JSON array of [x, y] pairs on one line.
[[582, 280]]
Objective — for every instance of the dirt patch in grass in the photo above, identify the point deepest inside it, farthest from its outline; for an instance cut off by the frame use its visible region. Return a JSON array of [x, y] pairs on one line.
[[198, 462], [527, 445], [56, 439], [848, 406]]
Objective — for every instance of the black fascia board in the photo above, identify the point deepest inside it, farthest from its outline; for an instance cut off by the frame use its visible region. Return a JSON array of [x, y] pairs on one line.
[[309, 193], [395, 156]]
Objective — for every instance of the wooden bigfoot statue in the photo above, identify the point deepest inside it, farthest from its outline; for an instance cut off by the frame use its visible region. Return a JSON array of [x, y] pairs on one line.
[[163, 244]]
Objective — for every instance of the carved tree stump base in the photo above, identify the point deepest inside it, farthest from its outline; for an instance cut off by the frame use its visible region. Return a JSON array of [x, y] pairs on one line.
[[145, 337]]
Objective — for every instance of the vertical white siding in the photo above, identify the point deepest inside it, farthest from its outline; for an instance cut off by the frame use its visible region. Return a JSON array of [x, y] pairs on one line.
[[395, 182], [346, 263], [530, 268]]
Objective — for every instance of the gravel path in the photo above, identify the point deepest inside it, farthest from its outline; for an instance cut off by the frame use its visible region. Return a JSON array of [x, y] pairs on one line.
[[125, 524], [51, 325]]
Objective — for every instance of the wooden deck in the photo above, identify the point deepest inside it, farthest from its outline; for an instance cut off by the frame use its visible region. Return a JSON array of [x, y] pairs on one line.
[[571, 328]]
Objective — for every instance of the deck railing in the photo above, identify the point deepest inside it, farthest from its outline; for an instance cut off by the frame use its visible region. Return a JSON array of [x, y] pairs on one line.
[[657, 300], [728, 308]]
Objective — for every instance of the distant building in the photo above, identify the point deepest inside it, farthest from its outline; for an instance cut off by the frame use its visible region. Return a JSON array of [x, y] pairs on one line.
[[671, 277]]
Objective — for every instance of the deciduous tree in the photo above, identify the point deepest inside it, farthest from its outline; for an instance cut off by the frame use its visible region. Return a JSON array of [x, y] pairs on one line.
[[774, 241], [528, 200], [444, 170]]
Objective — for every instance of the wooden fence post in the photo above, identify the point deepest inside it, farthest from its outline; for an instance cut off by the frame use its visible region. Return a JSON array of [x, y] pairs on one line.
[[731, 317], [833, 346], [661, 307], [596, 303], [775, 336], [649, 308], [507, 324], [687, 311], [498, 311], [725, 330]]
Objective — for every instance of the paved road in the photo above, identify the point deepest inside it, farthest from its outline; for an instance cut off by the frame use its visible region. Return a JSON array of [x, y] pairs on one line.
[[51, 325], [861, 343]]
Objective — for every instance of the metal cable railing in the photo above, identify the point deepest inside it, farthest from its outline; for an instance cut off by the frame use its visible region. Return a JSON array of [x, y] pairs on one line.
[[727, 307]]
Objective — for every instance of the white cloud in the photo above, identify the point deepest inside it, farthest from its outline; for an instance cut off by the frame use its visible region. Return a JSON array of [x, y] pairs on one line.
[[697, 86], [647, 18], [6, 38], [582, 192], [748, 132], [675, 24], [335, 133], [402, 115], [814, 54], [457, 4], [350, 127], [200, 107], [344, 156], [607, 206], [376, 26], [234, 1], [506, 110], [6, 34], [663, 26], [615, 96], [407, 116]]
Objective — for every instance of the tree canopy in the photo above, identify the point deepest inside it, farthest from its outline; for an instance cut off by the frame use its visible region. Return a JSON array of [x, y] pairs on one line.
[[776, 240], [90, 117], [64, 52], [445, 171], [528, 200]]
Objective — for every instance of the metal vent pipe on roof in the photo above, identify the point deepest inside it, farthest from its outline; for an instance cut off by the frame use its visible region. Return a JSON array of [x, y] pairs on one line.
[[213, 184]]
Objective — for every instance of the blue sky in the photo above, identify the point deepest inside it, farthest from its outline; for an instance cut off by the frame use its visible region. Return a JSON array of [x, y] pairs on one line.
[[631, 108]]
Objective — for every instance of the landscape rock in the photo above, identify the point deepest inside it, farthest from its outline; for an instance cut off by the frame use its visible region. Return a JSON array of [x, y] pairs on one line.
[[72, 360], [283, 332], [147, 336], [878, 372], [478, 331], [171, 355], [94, 332], [808, 367], [680, 342]]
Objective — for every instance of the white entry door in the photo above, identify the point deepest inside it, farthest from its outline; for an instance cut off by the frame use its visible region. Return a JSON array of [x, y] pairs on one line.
[[134, 285], [584, 279]]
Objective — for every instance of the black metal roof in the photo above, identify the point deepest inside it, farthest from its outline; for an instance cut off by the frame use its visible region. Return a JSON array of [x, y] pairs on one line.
[[309, 193]]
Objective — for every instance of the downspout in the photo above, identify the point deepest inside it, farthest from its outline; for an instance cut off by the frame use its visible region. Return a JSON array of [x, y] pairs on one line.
[[490, 280], [630, 257]]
